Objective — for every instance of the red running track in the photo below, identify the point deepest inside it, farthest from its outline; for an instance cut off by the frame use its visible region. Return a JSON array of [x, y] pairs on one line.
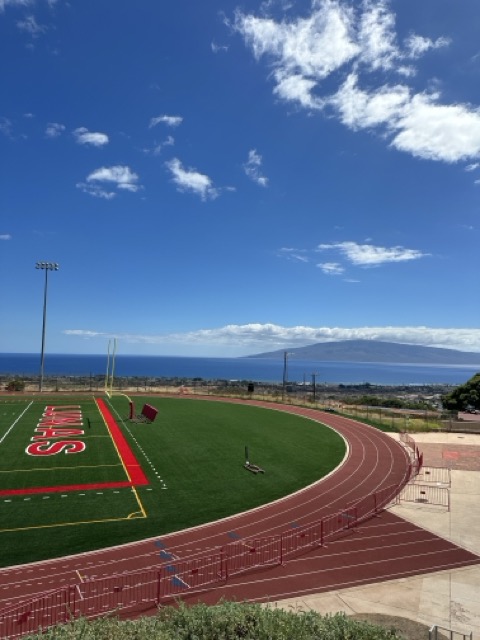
[[383, 548]]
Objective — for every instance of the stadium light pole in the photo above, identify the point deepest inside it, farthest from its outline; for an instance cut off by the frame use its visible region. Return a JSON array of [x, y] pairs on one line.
[[44, 266]]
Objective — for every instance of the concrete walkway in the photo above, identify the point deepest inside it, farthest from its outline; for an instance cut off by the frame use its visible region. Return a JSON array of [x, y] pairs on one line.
[[450, 599]]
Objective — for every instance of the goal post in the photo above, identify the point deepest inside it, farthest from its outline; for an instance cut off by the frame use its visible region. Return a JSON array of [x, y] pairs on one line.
[[109, 377]]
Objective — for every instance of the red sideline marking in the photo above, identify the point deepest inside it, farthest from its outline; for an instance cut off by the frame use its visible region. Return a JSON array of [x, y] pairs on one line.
[[65, 487], [134, 470]]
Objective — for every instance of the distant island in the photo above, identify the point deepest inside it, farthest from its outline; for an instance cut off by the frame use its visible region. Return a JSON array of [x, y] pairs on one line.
[[374, 351]]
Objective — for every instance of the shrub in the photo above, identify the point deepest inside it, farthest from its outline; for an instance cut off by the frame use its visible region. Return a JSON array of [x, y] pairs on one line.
[[225, 621], [15, 385]]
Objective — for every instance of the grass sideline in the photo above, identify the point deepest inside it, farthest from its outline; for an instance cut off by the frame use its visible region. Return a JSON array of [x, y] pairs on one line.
[[194, 450]]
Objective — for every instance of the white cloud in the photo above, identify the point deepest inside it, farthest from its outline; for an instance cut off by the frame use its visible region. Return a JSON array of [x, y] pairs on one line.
[[331, 268], [360, 41], [438, 132], [305, 51], [376, 36], [361, 109], [256, 337], [5, 126], [360, 255], [191, 180], [296, 255], [122, 177], [5, 236], [84, 136], [252, 168], [367, 255], [95, 190], [418, 45], [472, 167], [314, 46], [31, 26], [54, 129], [14, 3], [420, 126], [157, 149], [218, 47], [296, 88], [85, 333], [170, 121], [22, 3]]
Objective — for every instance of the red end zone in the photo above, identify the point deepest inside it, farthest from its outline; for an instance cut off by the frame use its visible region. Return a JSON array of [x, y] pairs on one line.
[[134, 471]]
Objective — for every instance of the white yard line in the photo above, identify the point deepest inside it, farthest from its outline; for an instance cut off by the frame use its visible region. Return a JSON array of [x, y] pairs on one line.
[[20, 416]]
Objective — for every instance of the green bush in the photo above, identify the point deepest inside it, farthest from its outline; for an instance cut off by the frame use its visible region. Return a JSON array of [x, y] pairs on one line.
[[225, 621], [15, 385], [465, 395]]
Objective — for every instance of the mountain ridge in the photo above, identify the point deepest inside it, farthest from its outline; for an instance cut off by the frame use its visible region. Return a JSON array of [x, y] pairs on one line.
[[374, 351]]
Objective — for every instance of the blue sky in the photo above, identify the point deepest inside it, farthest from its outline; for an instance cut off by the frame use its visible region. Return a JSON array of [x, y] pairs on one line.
[[221, 179]]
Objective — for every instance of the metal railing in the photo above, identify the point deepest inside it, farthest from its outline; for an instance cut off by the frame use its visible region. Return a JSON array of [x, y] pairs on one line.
[[442, 633], [425, 494], [435, 475]]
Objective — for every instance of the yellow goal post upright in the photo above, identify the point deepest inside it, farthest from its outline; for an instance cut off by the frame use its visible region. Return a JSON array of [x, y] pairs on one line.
[[110, 367], [109, 377]]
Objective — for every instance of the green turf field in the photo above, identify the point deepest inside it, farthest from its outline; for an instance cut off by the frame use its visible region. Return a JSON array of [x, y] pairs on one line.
[[192, 455], [98, 463]]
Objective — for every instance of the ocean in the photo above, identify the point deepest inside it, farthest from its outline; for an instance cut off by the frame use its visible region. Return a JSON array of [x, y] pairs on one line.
[[251, 369]]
